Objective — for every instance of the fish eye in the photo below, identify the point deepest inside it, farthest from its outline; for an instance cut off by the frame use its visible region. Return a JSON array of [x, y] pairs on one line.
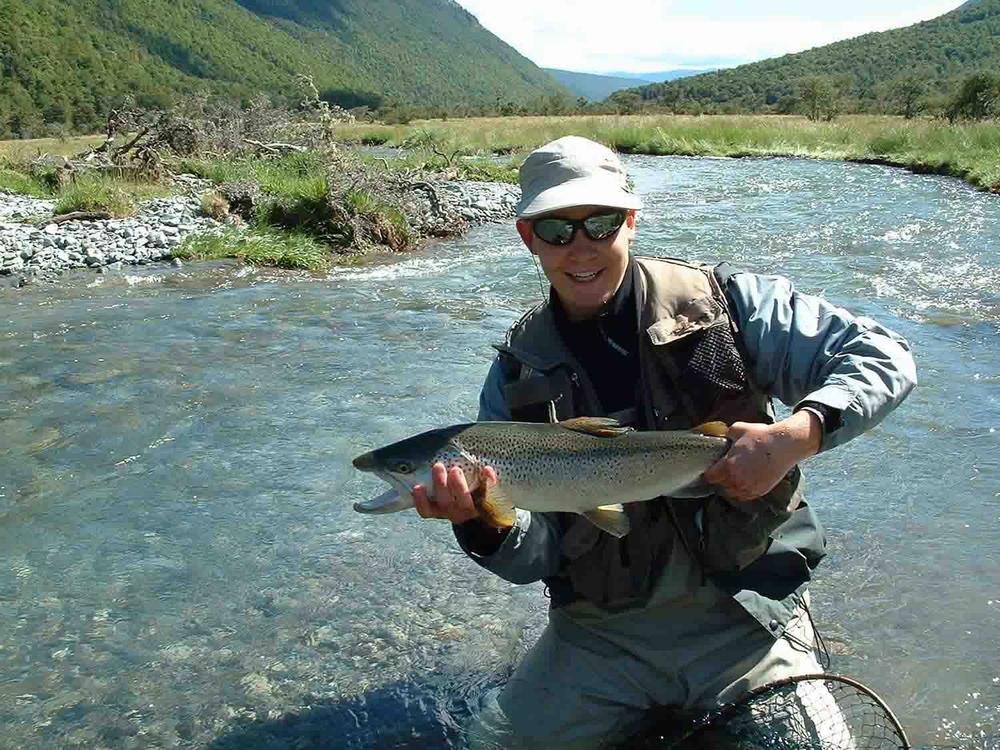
[[403, 467]]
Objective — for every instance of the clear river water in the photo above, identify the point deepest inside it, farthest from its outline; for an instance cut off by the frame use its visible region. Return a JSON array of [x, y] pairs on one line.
[[180, 564]]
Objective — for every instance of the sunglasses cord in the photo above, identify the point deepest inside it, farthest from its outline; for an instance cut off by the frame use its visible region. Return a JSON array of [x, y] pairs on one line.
[[538, 273]]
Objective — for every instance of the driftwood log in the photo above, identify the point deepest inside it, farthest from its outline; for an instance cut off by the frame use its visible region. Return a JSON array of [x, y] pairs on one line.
[[275, 148], [76, 216]]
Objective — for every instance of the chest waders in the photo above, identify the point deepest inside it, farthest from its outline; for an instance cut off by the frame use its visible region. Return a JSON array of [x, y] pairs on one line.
[[692, 370]]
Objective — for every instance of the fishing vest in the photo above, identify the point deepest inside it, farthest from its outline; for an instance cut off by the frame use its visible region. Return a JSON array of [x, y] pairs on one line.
[[692, 370]]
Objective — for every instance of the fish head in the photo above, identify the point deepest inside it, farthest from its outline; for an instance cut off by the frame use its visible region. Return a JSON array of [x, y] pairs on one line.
[[405, 464]]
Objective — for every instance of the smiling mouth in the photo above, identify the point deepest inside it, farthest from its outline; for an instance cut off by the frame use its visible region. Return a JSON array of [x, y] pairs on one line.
[[583, 278]]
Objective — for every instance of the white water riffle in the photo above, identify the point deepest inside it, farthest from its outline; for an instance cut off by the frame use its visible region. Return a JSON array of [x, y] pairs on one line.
[[180, 564]]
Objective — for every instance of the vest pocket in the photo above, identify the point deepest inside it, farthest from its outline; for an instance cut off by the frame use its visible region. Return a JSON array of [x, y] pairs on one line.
[[616, 573], [736, 533]]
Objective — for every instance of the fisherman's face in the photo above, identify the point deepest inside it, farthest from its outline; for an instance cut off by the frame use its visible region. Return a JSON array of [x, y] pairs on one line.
[[585, 273]]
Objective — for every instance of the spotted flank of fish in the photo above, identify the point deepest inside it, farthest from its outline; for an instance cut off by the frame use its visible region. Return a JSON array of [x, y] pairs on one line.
[[587, 465]]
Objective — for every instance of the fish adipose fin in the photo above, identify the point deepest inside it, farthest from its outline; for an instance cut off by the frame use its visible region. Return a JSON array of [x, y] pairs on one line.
[[494, 507], [610, 518], [712, 429], [597, 426]]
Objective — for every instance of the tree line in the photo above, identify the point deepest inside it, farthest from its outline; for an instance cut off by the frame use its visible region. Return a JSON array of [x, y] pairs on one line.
[[823, 97]]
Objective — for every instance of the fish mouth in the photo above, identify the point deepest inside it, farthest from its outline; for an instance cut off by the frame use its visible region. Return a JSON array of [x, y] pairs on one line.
[[391, 501]]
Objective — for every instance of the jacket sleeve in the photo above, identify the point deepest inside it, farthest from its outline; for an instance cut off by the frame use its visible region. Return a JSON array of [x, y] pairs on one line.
[[802, 348], [530, 550]]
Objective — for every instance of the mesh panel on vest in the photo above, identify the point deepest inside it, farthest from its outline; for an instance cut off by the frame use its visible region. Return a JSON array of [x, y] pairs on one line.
[[713, 366]]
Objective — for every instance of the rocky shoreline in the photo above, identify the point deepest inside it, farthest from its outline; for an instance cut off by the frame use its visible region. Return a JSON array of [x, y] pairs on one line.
[[33, 250]]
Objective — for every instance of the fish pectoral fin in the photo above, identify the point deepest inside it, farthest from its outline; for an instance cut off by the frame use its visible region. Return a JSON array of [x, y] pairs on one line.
[[494, 507], [597, 426], [698, 488], [712, 429], [609, 518]]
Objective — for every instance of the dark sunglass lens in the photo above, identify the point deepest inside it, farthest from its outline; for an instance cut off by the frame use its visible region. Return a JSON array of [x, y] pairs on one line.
[[602, 226], [554, 231]]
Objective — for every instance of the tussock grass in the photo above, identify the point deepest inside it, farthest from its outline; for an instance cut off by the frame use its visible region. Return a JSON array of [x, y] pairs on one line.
[[290, 174], [259, 247], [26, 149], [970, 151], [97, 193], [13, 181]]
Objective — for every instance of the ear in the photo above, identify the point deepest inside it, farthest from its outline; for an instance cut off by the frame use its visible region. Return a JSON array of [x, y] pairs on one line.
[[524, 229], [630, 218]]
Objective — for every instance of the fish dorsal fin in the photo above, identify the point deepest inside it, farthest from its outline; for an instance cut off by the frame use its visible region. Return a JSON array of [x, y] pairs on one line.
[[597, 426], [712, 429], [610, 518], [494, 507]]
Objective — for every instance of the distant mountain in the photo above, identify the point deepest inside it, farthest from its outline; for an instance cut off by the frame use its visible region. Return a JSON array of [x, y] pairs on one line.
[[593, 87], [66, 61], [941, 50], [662, 75]]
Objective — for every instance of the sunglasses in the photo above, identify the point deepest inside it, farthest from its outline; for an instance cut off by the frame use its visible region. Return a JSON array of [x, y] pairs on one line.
[[562, 231]]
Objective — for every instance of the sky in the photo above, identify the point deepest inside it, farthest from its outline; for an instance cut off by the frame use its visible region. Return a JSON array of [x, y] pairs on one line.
[[652, 35]]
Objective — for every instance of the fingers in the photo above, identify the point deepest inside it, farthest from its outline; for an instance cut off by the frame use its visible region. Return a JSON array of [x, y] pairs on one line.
[[752, 466], [451, 499], [727, 476]]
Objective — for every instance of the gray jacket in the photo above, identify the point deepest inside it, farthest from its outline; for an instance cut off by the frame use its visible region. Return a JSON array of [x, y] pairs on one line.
[[799, 348]]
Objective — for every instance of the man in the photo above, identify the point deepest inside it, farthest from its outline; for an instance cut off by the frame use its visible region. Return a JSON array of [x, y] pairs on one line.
[[704, 599]]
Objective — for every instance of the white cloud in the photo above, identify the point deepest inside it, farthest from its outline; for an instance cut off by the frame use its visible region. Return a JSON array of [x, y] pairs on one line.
[[646, 35]]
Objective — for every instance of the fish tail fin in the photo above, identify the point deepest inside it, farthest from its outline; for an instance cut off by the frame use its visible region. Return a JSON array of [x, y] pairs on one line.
[[610, 518]]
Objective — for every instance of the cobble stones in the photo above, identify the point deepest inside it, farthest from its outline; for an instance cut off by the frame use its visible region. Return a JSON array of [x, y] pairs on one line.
[[30, 251], [42, 252]]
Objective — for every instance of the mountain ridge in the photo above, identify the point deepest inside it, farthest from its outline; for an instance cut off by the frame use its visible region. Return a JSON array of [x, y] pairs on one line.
[[598, 86], [956, 43], [67, 61]]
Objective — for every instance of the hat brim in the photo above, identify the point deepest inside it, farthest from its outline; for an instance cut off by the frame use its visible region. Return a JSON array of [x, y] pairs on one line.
[[581, 192]]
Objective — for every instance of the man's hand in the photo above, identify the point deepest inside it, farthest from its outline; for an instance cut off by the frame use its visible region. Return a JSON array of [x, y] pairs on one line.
[[452, 499], [761, 454]]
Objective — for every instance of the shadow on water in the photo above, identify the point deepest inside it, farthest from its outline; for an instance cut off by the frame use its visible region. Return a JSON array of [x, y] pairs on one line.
[[424, 714]]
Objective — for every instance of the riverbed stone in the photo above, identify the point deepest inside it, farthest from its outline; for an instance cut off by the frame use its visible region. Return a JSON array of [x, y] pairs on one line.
[[30, 252]]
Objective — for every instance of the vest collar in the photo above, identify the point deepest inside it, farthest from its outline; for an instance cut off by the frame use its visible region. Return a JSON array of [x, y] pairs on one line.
[[671, 302]]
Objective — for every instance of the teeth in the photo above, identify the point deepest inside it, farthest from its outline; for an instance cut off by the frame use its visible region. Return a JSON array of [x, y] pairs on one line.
[[584, 276]]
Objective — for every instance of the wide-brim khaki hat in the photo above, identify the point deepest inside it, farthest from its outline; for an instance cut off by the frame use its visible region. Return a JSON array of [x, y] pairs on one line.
[[573, 171]]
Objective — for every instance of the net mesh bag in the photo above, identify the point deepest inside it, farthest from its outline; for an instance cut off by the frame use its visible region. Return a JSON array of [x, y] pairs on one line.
[[810, 712]]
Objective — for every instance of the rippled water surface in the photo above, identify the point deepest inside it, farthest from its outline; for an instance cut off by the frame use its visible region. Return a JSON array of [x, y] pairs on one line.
[[180, 565]]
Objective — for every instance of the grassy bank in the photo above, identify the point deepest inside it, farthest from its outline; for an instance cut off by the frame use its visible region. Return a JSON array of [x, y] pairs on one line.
[[971, 152], [27, 149]]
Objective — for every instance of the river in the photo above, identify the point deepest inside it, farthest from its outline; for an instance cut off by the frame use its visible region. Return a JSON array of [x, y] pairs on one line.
[[180, 565]]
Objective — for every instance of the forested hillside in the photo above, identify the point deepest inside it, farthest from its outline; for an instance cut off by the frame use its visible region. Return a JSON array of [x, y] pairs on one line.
[[67, 61], [936, 53]]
